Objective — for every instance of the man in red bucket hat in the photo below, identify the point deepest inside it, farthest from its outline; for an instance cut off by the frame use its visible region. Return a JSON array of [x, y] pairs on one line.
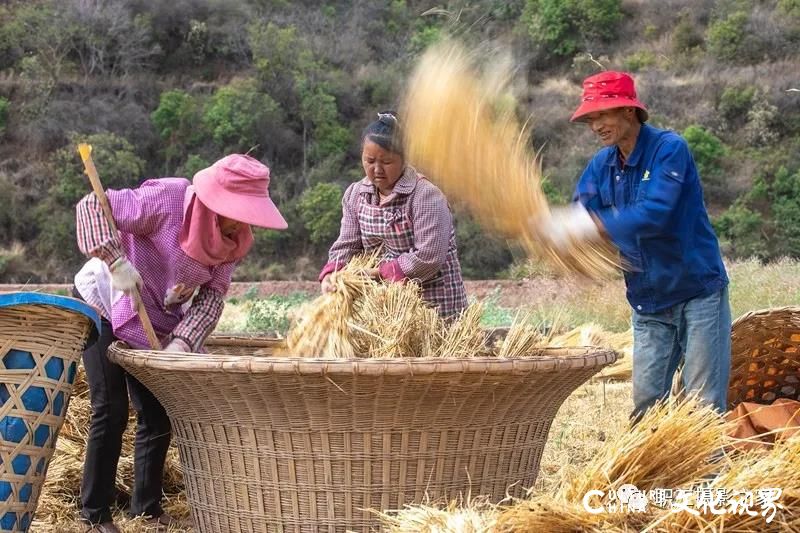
[[642, 191]]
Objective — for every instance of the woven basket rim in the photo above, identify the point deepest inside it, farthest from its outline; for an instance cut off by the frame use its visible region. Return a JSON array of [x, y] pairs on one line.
[[17, 299], [119, 352], [767, 312]]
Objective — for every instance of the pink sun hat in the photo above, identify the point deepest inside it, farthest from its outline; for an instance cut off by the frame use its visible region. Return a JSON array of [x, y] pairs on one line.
[[237, 187]]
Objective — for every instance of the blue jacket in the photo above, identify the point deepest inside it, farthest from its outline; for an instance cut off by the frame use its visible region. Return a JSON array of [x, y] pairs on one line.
[[653, 210]]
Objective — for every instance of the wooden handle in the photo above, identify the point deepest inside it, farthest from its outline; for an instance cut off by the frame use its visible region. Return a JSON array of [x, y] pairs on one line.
[[86, 155]]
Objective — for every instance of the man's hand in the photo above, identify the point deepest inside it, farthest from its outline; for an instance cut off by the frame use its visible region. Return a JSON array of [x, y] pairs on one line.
[[124, 276], [568, 225]]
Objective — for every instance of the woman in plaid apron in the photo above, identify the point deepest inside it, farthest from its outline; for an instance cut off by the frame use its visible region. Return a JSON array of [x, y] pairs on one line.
[[396, 209]]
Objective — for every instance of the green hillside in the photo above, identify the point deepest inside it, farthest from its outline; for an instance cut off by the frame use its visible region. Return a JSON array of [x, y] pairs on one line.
[[165, 88]]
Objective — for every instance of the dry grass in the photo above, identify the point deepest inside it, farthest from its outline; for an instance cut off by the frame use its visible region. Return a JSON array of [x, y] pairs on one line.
[[472, 516], [461, 130]]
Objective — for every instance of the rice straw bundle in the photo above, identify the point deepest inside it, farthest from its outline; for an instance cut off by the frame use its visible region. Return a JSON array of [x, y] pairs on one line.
[[321, 328], [585, 335], [460, 133], [392, 320], [547, 514], [523, 338], [476, 516], [672, 445], [594, 335], [753, 471], [464, 337]]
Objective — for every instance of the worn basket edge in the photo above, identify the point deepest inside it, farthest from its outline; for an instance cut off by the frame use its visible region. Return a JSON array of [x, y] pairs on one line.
[[120, 353]]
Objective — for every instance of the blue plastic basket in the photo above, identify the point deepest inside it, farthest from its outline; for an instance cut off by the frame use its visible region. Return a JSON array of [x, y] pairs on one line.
[[42, 337]]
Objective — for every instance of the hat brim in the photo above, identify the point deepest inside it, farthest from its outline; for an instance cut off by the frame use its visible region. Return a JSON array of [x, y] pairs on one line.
[[254, 210], [607, 103]]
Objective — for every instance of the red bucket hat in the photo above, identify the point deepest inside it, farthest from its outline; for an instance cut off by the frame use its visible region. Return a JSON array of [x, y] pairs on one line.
[[237, 187], [608, 90]]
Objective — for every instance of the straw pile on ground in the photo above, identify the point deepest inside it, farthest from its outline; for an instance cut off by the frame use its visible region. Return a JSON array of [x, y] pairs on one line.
[[679, 445], [474, 516], [461, 132]]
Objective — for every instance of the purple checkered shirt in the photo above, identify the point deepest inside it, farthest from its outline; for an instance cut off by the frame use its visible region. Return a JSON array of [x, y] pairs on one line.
[[149, 221], [414, 229]]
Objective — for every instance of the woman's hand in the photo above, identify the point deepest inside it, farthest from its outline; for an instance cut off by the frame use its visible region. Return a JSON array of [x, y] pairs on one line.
[[327, 284], [177, 345]]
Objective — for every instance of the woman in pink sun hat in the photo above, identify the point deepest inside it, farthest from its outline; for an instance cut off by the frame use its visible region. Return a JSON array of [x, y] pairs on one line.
[[179, 243]]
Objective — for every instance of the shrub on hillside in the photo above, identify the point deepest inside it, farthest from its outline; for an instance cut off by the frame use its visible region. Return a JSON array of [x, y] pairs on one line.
[[566, 26], [177, 120], [790, 8], [761, 121], [686, 36], [240, 116], [192, 164], [735, 102], [725, 36], [3, 114], [321, 210], [765, 221], [739, 229], [707, 150], [639, 60]]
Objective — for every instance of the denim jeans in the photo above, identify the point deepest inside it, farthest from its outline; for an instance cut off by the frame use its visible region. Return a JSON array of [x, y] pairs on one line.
[[697, 332]]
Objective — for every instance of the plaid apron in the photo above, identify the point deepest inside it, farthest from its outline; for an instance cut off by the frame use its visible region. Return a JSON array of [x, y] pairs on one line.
[[388, 225]]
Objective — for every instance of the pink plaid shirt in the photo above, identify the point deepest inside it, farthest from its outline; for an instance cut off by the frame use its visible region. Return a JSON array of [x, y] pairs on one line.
[[414, 228], [149, 221]]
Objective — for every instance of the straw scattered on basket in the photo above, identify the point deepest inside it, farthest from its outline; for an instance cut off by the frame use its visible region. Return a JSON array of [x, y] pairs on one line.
[[365, 318]]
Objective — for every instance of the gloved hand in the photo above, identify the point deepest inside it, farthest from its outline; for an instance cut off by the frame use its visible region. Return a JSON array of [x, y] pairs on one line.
[[571, 224], [124, 276], [177, 345]]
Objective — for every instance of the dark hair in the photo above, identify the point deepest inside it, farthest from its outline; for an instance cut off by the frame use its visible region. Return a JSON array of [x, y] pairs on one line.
[[385, 132]]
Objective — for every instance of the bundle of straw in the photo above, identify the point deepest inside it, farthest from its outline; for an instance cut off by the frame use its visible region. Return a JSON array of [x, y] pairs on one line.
[[523, 337], [673, 446], [461, 133], [464, 337], [777, 469], [392, 320], [321, 328], [474, 516], [594, 335]]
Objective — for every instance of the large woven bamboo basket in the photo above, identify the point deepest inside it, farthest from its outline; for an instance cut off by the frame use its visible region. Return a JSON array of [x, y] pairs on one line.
[[41, 341], [290, 444], [765, 356]]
